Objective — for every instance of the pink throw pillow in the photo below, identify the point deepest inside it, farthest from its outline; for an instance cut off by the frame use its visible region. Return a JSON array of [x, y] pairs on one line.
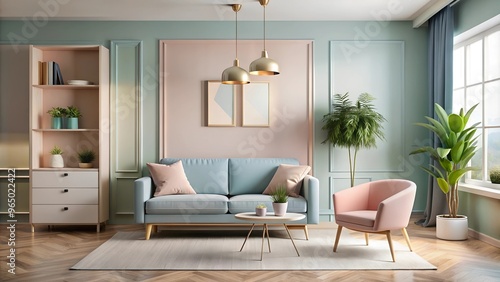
[[170, 179], [290, 176]]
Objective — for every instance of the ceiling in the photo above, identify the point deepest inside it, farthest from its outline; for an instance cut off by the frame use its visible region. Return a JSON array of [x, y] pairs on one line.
[[219, 10]]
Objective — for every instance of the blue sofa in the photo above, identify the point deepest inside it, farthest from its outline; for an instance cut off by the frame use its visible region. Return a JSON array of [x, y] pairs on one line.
[[224, 187]]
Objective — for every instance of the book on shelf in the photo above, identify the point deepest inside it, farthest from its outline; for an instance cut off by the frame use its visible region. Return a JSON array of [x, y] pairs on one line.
[[49, 73]]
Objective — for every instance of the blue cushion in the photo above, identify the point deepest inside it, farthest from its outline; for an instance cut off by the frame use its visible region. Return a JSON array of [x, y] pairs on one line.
[[247, 203], [206, 176], [251, 176], [187, 204]]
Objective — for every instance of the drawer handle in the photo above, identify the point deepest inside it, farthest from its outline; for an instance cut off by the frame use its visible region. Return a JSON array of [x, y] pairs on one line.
[[65, 208], [65, 190], [65, 174]]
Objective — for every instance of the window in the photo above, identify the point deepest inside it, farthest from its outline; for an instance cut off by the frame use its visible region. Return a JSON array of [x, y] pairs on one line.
[[476, 80]]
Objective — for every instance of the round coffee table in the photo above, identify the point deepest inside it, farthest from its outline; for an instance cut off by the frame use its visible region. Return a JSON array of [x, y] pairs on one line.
[[269, 218]]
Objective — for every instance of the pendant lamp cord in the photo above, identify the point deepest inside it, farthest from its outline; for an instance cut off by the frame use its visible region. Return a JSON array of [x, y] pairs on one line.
[[264, 27], [236, 34]]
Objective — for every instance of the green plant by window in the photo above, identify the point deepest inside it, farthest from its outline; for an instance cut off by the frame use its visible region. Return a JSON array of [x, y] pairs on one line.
[[57, 112], [279, 195], [73, 112], [86, 156], [353, 126], [458, 146], [495, 175], [56, 151]]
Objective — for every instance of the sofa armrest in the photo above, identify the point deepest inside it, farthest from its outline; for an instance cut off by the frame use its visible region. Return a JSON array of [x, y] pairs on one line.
[[143, 188], [311, 193]]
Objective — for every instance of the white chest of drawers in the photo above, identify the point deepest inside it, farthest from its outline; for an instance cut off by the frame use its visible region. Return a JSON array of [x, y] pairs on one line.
[[65, 197]]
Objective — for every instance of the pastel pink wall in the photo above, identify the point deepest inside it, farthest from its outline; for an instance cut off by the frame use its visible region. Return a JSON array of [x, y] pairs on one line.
[[188, 64]]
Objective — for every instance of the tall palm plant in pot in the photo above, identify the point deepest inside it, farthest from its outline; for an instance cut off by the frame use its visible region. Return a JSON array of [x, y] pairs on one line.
[[452, 156], [353, 126]]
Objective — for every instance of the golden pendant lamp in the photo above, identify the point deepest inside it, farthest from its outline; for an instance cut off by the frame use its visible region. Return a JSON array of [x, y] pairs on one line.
[[264, 65], [235, 74]]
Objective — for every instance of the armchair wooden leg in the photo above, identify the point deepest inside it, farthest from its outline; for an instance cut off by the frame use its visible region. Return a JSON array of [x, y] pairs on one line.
[[339, 230], [366, 238], [389, 239], [149, 227], [405, 234]]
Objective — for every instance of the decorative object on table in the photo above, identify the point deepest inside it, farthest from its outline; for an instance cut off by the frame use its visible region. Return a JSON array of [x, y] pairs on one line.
[[72, 113], [57, 114], [280, 200], [86, 158], [458, 146], [221, 104], [495, 175], [353, 126], [261, 210], [56, 159], [255, 104]]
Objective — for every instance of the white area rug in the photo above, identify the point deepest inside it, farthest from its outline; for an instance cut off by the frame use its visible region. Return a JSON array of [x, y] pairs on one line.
[[220, 250]]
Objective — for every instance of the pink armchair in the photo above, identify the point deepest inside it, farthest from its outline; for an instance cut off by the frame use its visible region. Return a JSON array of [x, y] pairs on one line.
[[375, 207]]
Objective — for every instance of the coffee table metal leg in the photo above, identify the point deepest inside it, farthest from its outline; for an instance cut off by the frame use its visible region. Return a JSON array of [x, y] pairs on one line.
[[289, 235], [268, 240], [250, 232]]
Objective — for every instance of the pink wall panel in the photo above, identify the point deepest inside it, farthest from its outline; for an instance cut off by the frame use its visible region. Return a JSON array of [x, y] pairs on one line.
[[188, 64]]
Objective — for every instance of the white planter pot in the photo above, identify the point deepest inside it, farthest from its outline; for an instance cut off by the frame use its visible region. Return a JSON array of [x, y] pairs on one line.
[[454, 229], [260, 211], [56, 161], [280, 208]]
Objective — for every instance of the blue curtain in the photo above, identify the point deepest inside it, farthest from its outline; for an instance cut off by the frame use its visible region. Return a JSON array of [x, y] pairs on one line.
[[441, 27]]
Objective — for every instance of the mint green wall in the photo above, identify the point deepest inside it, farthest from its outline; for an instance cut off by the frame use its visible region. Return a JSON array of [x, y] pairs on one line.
[[322, 33], [481, 211]]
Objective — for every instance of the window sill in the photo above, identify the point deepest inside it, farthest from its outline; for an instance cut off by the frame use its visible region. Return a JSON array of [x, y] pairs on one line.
[[479, 190]]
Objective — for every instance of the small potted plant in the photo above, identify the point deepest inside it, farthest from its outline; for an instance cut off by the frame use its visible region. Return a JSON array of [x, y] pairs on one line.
[[72, 113], [280, 200], [261, 210], [57, 113], [86, 158], [495, 175], [56, 159]]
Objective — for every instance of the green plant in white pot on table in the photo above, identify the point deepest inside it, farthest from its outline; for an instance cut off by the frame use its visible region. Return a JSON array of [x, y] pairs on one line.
[[86, 158], [56, 159], [280, 200], [458, 146], [261, 210]]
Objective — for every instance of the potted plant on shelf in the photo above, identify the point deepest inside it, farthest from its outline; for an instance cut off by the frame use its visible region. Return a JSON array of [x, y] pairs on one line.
[[495, 175], [261, 210], [72, 113], [353, 126], [56, 159], [57, 113], [452, 156], [86, 158], [280, 200]]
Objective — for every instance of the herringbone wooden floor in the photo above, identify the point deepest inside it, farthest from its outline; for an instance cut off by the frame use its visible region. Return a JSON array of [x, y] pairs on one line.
[[48, 255]]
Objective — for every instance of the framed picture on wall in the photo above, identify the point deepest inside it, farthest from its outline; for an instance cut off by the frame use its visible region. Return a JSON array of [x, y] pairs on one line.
[[255, 104], [220, 104]]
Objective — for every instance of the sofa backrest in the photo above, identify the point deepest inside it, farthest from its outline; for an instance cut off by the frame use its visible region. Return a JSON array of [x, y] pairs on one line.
[[206, 176], [252, 175]]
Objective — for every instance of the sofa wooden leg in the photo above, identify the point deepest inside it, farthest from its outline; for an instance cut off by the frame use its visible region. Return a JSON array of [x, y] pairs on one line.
[[149, 227], [339, 231], [366, 238], [306, 232]]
